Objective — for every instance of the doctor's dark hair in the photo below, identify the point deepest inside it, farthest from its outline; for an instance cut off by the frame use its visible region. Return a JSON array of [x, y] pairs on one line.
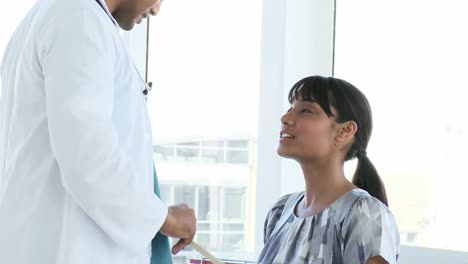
[[351, 105]]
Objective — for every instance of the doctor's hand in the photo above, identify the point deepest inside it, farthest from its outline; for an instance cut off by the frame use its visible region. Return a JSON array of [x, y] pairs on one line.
[[180, 223]]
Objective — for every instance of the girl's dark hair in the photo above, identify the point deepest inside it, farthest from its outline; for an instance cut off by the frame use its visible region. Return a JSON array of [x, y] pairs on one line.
[[351, 105]]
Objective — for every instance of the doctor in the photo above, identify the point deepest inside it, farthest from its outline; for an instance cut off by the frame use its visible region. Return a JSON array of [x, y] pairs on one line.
[[76, 168]]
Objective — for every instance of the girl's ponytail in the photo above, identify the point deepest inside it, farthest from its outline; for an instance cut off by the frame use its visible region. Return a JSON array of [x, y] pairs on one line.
[[367, 178]]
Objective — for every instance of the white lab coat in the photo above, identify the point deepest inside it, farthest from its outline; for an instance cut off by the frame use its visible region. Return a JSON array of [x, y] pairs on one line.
[[76, 174]]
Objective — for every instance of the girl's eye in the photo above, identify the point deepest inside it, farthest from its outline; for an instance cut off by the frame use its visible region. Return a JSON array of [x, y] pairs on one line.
[[289, 110], [305, 110]]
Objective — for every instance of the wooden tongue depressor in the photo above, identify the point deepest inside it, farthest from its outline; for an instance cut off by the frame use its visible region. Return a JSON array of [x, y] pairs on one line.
[[205, 253]]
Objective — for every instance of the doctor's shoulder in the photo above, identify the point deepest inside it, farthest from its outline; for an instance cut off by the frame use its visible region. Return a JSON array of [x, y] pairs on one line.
[[79, 27], [58, 16]]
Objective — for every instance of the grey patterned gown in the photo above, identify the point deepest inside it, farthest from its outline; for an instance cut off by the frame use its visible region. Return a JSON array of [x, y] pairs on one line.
[[352, 229]]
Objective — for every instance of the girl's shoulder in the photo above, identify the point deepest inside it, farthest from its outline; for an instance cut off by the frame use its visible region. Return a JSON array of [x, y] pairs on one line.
[[368, 228], [358, 203], [276, 212]]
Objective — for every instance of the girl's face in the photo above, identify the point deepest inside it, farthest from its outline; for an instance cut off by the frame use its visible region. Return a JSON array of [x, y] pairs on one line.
[[308, 133]]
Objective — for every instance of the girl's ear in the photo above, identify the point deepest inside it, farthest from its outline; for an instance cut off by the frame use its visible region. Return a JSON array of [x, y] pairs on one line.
[[346, 131]]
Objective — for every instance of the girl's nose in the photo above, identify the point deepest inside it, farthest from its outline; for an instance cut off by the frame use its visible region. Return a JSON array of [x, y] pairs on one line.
[[287, 119]]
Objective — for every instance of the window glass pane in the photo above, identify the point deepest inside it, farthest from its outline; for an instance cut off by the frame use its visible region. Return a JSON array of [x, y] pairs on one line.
[[187, 154], [185, 194], [213, 155], [214, 144], [234, 203], [191, 144], [164, 152], [207, 227], [209, 203], [412, 68], [237, 156], [238, 144], [234, 227], [206, 74], [233, 242], [210, 240], [165, 190]]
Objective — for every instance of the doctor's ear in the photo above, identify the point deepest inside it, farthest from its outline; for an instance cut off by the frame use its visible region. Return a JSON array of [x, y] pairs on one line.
[[346, 131], [155, 9]]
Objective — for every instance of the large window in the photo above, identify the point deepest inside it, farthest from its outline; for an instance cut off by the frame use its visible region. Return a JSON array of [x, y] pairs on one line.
[[209, 61], [223, 151], [220, 211], [411, 58], [204, 63]]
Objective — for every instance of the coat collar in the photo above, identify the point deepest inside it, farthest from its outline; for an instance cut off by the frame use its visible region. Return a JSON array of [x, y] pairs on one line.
[[104, 7]]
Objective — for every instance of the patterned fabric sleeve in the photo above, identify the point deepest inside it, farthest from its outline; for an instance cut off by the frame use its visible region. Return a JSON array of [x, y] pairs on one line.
[[273, 216], [370, 230]]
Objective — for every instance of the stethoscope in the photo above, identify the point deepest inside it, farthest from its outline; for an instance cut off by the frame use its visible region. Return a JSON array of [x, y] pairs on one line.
[[148, 86]]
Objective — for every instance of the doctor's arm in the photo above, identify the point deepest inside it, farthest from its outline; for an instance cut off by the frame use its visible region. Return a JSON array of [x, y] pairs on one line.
[[78, 58]]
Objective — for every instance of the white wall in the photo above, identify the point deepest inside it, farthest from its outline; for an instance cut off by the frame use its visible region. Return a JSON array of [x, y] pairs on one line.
[[271, 97], [308, 51], [10, 16], [413, 255]]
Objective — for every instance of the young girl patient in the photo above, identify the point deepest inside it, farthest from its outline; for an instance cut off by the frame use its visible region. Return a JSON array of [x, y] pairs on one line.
[[333, 220]]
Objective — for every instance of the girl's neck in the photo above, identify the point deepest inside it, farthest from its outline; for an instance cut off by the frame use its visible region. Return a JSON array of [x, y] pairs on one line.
[[324, 184]]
